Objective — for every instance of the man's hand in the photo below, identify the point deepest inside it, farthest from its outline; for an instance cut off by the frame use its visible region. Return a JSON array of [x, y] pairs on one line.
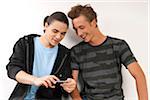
[[69, 85], [47, 81]]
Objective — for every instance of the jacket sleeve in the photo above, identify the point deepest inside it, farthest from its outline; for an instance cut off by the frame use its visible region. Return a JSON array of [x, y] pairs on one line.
[[68, 69], [17, 59]]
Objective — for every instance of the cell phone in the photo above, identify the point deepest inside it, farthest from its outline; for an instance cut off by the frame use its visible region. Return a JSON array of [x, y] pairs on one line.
[[60, 81]]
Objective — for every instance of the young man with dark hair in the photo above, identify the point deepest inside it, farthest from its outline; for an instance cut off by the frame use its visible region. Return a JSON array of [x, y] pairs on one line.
[[40, 63], [98, 60]]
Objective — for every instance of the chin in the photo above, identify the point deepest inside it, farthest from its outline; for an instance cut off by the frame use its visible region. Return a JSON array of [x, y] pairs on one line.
[[54, 44], [85, 40]]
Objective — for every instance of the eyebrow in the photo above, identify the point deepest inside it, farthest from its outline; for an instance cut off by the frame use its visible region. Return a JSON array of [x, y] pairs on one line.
[[59, 31], [56, 30]]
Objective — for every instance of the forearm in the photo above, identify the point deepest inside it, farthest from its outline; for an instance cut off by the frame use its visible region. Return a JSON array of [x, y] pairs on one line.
[[142, 87], [75, 94], [25, 78], [139, 76]]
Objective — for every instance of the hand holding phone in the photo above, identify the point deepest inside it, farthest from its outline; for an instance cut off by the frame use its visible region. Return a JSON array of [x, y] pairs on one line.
[[69, 85]]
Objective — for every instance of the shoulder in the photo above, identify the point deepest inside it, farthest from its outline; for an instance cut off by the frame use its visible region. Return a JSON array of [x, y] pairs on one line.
[[28, 37], [116, 41], [25, 39], [79, 46]]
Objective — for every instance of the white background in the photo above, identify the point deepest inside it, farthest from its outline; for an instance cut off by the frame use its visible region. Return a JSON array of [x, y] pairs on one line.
[[124, 19]]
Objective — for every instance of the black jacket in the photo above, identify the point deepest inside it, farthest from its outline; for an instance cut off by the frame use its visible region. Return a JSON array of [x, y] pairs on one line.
[[22, 59]]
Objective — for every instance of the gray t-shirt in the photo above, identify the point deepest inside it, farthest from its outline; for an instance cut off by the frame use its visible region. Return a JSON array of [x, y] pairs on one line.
[[100, 68]]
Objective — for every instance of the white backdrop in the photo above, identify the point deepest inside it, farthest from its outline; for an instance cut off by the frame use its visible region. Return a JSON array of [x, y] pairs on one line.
[[124, 19]]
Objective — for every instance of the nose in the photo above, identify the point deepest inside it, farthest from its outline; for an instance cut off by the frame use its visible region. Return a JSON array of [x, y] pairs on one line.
[[59, 36], [79, 33]]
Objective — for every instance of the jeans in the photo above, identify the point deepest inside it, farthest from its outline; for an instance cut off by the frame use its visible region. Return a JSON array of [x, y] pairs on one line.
[[84, 98]]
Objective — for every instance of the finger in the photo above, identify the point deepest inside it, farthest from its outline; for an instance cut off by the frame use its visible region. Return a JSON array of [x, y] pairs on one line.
[[67, 89], [54, 77], [53, 86], [49, 83], [45, 84], [52, 80], [69, 82], [66, 84]]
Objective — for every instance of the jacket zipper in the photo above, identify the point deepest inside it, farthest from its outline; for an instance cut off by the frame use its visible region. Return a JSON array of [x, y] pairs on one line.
[[60, 66]]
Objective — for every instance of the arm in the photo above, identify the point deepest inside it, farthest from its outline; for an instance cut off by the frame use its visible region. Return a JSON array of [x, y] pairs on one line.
[[17, 61], [47, 81], [25, 78], [17, 66], [75, 93], [136, 71]]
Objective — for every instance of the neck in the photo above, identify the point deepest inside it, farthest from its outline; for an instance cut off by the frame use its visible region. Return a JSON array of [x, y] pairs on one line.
[[44, 40], [98, 38]]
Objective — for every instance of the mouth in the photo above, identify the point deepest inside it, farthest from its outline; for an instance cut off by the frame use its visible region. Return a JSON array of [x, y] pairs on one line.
[[84, 36], [56, 40]]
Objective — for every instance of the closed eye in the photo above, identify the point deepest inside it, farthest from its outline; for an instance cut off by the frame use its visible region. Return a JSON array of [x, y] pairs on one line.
[[55, 30], [81, 27], [63, 33]]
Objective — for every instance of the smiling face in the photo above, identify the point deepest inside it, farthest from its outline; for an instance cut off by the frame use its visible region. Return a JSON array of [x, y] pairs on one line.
[[84, 28], [55, 32]]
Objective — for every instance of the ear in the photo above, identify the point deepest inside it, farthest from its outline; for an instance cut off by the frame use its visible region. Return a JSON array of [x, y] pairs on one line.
[[94, 23], [45, 25]]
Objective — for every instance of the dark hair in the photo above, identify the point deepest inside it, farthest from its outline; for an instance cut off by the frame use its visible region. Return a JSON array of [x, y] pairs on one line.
[[59, 16], [45, 20], [85, 10]]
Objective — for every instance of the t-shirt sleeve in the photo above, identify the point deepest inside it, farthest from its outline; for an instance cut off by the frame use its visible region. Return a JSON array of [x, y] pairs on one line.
[[126, 55], [74, 60]]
